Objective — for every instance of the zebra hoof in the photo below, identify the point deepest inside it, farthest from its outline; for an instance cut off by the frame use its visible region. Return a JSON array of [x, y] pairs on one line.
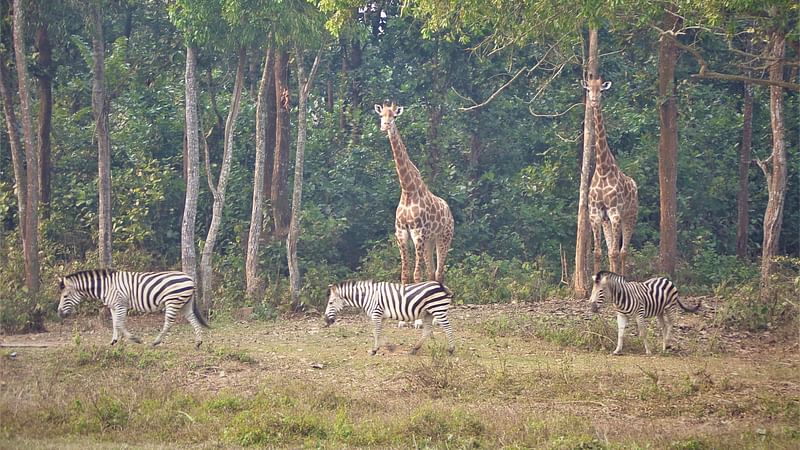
[[155, 343], [113, 341], [373, 352], [616, 354], [451, 350], [135, 339], [197, 344], [413, 351]]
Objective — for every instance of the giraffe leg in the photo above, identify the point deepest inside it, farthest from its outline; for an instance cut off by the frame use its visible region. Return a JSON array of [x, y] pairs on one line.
[[419, 253], [429, 267], [442, 247], [598, 246], [612, 241], [401, 235], [627, 232]]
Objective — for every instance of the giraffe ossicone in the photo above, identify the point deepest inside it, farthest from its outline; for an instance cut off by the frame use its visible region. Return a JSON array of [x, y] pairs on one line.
[[421, 216]]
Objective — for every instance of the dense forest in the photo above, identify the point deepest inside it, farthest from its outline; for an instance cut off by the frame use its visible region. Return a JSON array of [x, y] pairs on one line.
[[237, 140]]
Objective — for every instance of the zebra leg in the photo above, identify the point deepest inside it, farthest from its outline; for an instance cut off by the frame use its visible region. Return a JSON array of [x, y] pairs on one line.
[[119, 313], [444, 322], [188, 312], [640, 323], [622, 322], [669, 319], [427, 329], [170, 313], [378, 323]]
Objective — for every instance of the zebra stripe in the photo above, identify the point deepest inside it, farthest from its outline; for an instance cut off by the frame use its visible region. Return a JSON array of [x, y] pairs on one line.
[[655, 297], [141, 291], [407, 302]]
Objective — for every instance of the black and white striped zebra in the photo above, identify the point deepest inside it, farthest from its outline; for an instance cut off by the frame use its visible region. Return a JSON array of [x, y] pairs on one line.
[[380, 301], [141, 291], [655, 297]]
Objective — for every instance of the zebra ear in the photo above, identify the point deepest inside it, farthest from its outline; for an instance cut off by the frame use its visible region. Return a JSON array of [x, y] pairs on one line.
[[61, 284]]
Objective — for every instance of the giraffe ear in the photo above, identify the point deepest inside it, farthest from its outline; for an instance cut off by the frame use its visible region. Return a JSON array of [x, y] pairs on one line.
[[399, 111], [605, 86], [585, 86], [378, 108]]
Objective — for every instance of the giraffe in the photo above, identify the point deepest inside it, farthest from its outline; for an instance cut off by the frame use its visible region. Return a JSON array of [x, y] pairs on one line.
[[422, 216], [613, 197]]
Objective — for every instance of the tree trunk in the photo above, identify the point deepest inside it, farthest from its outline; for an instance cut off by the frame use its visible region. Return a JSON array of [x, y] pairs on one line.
[[581, 283], [254, 286], [192, 165], [218, 192], [775, 166], [17, 160], [31, 250], [297, 192], [270, 132], [280, 172], [100, 109], [668, 148], [742, 198], [45, 70]]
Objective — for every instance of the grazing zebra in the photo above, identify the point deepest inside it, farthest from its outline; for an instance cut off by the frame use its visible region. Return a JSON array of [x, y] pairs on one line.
[[140, 291], [380, 300], [654, 297]]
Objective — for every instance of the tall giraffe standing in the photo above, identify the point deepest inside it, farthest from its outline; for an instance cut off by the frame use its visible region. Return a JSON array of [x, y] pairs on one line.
[[421, 215], [613, 197]]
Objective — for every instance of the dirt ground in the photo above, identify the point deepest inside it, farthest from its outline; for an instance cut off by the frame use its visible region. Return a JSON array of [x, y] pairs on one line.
[[516, 369]]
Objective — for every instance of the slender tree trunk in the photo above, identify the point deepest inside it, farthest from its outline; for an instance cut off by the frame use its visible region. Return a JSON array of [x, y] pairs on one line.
[[253, 282], [222, 184], [270, 134], [100, 109], [742, 198], [774, 167], [31, 251], [581, 283], [280, 172], [668, 148], [45, 69], [192, 165], [304, 86], [17, 160]]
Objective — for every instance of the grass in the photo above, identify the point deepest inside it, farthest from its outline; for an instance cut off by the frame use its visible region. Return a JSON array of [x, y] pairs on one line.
[[516, 381]]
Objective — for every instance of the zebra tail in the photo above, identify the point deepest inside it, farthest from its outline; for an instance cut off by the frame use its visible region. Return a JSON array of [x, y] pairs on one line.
[[199, 316], [691, 310], [447, 290]]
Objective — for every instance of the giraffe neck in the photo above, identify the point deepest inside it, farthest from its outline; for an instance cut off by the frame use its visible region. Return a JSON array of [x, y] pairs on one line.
[[407, 172], [605, 162]]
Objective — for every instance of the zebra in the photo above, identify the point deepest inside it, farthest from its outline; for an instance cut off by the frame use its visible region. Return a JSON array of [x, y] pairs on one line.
[[382, 300], [654, 297], [140, 291]]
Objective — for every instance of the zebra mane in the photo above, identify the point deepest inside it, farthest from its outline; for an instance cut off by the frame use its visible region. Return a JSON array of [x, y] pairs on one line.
[[84, 273], [90, 272], [352, 283], [610, 275]]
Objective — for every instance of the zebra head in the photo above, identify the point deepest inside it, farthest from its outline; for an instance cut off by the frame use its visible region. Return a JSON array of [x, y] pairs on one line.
[[335, 303], [71, 296], [601, 285]]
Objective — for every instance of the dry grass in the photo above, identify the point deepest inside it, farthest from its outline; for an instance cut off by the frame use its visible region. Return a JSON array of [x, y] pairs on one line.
[[522, 377]]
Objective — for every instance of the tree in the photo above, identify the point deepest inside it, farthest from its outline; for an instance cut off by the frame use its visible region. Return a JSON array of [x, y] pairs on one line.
[[218, 191], [583, 238], [31, 220], [774, 167], [252, 278], [668, 146], [44, 74], [192, 165], [17, 160], [304, 86], [742, 203], [100, 107], [280, 171]]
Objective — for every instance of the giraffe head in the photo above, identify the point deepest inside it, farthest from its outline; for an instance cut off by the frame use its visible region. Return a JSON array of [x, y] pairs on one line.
[[388, 112], [595, 86]]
